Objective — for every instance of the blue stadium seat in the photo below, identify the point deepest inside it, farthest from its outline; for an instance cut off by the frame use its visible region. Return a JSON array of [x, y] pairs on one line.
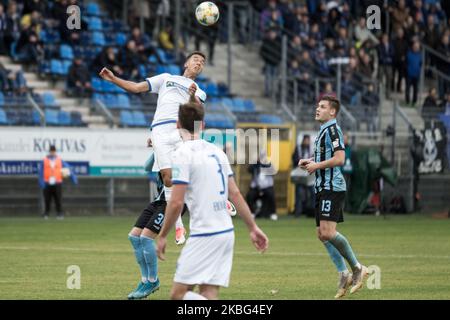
[[211, 89], [121, 38], [108, 86], [227, 102], [107, 25], [98, 96], [110, 100], [76, 119], [126, 118], [3, 117], [123, 101], [238, 105], [66, 64], [51, 117], [2, 99], [56, 67], [269, 118], [98, 39], [96, 84], [249, 105], [92, 9], [161, 69], [174, 69], [95, 24], [139, 119], [66, 52], [48, 100], [36, 117], [64, 118]]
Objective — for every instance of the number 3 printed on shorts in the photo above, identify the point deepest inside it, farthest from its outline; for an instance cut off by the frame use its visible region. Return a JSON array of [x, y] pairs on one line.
[[326, 205]]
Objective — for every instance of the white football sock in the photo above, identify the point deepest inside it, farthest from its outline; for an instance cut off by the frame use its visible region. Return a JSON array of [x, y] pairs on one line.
[[193, 296]]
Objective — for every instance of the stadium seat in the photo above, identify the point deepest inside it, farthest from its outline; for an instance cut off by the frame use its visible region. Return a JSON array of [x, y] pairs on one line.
[[48, 100], [238, 105], [96, 84], [249, 105], [35, 117], [66, 64], [51, 117], [3, 117], [161, 69], [174, 69], [98, 39], [76, 119], [110, 100], [95, 24], [121, 38], [64, 118], [2, 99], [92, 9], [66, 52], [211, 89], [123, 101], [126, 118], [139, 119], [56, 67], [269, 118]]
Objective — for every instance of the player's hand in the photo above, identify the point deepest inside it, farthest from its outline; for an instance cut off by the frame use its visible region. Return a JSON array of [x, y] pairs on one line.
[[303, 162], [161, 248], [106, 74], [149, 143], [259, 239], [192, 89], [311, 167]]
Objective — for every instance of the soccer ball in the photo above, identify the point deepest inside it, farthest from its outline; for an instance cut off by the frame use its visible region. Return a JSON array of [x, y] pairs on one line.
[[207, 13]]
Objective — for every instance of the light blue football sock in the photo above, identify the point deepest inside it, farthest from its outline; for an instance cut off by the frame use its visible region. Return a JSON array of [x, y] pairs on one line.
[[344, 248], [139, 253], [151, 259], [336, 257]]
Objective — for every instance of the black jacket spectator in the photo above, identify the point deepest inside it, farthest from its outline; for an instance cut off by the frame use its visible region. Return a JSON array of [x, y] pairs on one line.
[[271, 49], [78, 79]]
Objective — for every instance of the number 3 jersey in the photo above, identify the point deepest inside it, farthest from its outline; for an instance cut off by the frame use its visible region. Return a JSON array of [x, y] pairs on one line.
[[205, 169]]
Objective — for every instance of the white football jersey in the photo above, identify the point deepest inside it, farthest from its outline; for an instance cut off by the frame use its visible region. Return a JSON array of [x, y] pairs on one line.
[[172, 91], [205, 169]]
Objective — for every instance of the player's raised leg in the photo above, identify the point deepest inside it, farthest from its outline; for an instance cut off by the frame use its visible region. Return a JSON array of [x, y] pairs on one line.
[[328, 233]]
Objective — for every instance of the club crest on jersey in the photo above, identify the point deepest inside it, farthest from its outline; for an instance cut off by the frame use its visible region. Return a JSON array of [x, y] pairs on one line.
[[336, 143], [177, 85]]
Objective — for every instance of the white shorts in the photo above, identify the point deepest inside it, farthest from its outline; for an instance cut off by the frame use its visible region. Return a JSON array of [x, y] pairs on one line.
[[165, 139], [206, 260]]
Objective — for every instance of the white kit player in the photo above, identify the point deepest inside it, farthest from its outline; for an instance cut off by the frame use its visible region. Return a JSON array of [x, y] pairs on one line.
[[172, 91], [203, 179]]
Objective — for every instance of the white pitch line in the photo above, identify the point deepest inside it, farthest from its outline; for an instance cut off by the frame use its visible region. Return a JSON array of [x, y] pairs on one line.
[[270, 253]]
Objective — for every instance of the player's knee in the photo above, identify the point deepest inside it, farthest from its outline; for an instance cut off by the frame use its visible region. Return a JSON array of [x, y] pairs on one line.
[[325, 235], [176, 294]]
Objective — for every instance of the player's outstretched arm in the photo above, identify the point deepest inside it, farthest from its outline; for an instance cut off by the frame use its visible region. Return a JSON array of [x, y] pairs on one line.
[[173, 210], [130, 86], [259, 239]]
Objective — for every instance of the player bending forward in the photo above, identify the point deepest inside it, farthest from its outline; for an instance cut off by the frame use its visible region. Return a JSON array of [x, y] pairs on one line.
[[172, 91], [202, 178], [330, 189]]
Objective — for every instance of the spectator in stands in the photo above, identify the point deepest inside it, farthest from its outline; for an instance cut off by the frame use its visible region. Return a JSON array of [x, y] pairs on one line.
[[129, 60], [166, 39], [51, 173], [431, 38], [385, 60], [304, 190], [445, 105], [13, 25], [295, 47], [399, 15], [261, 188], [3, 29], [414, 65], [399, 63], [328, 91], [107, 58], [34, 5], [342, 40], [271, 54], [362, 34], [208, 35], [431, 101], [143, 45], [443, 65], [78, 79], [371, 101], [33, 19], [365, 65], [271, 17], [323, 67], [29, 45]]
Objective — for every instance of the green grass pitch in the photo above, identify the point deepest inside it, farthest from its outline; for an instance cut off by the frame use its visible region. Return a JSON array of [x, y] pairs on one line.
[[412, 252]]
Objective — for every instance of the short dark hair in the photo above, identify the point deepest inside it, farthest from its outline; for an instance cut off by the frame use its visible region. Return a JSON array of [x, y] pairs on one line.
[[333, 101], [196, 53], [52, 148], [188, 114]]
